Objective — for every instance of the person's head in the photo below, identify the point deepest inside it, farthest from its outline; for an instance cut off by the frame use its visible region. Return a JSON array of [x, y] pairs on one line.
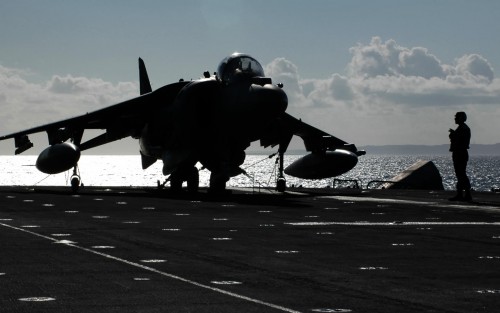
[[460, 117]]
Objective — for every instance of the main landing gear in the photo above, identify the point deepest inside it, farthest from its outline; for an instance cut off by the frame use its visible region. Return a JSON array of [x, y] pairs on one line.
[[189, 175], [218, 180]]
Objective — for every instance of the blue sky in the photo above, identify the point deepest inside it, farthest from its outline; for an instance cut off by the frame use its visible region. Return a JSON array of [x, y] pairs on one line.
[[370, 72]]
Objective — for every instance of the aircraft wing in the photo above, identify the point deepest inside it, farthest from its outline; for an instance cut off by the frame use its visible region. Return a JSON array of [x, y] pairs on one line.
[[315, 140], [120, 120]]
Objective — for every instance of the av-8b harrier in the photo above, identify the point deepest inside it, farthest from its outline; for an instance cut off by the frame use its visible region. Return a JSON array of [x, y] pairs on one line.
[[211, 121]]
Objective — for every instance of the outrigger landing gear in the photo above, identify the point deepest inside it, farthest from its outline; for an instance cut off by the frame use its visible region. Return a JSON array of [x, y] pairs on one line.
[[281, 181], [75, 180]]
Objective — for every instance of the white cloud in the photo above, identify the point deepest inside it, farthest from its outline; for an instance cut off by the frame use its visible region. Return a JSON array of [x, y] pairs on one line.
[[476, 67], [393, 94], [390, 59], [285, 72], [24, 104]]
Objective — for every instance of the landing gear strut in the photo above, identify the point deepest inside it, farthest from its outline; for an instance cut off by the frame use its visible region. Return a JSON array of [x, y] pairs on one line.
[[281, 181]]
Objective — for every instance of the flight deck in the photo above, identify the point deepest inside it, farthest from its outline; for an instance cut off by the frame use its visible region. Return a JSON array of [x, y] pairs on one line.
[[121, 249]]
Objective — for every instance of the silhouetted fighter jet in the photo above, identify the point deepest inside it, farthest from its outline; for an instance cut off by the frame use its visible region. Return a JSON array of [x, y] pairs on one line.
[[211, 121]]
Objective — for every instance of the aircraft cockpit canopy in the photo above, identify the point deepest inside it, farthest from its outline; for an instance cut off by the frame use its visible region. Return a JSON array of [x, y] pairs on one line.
[[239, 66]]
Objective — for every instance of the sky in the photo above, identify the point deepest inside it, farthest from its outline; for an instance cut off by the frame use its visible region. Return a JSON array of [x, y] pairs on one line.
[[381, 72]]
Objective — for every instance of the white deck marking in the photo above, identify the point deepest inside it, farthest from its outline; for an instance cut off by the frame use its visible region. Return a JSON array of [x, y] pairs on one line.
[[153, 270], [226, 282], [399, 224], [463, 206], [331, 310], [37, 299]]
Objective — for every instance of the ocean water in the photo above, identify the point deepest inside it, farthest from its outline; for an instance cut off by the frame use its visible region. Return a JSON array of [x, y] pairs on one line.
[[98, 170]]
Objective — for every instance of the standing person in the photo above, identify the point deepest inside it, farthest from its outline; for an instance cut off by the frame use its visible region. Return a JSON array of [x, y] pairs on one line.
[[460, 140]]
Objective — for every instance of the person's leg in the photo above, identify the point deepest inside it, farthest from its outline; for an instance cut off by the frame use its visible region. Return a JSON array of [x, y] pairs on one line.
[[463, 183]]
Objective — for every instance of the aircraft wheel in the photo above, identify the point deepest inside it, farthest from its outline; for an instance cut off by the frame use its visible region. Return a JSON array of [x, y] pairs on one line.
[[75, 183], [281, 184], [193, 180], [217, 183], [175, 182]]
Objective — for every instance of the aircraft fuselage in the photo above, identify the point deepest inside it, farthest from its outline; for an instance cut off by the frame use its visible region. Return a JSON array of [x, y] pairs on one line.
[[211, 123]]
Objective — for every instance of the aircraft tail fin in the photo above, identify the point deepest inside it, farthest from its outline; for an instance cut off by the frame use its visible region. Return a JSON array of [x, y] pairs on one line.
[[145, 85]]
